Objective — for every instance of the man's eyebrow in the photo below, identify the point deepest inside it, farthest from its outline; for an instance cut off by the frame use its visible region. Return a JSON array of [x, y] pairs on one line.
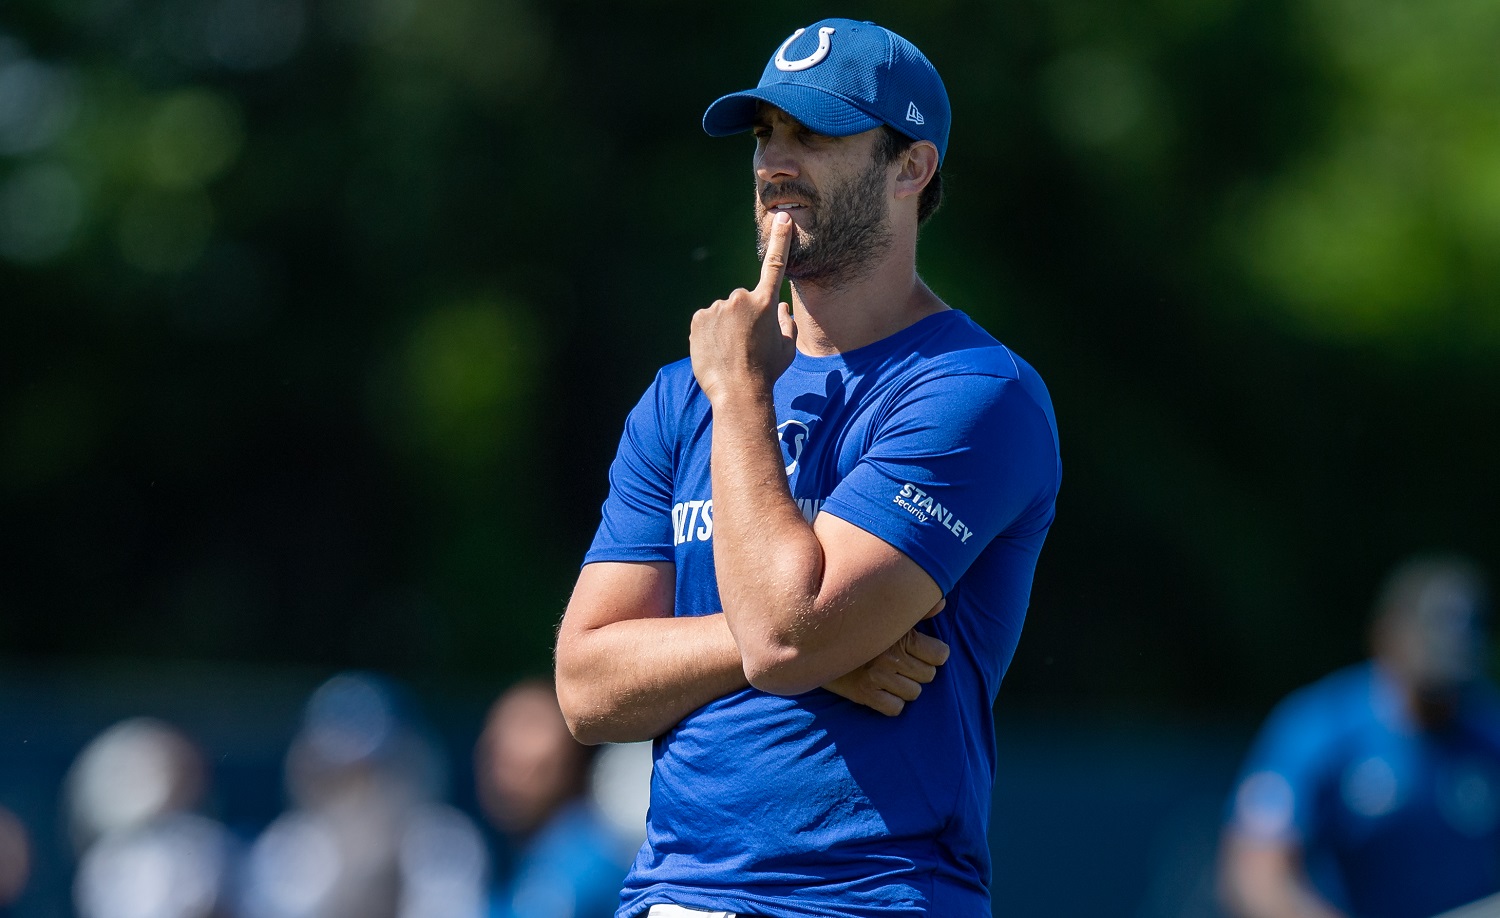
[[770, 123]]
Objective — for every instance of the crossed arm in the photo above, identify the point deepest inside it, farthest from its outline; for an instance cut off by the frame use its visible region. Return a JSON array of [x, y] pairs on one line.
[[629, 671], [804, 602], [804, 605]]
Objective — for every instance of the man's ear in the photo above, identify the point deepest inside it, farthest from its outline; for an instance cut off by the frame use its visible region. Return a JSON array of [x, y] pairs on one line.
[[918, 165]]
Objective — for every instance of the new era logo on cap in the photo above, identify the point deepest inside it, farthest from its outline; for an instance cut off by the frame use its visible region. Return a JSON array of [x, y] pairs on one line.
[[914, 114]]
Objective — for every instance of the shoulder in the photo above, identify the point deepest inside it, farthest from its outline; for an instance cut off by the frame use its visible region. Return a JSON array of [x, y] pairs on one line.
[[675, 382], [959, 354], [983, 397], [1316, 718], [1344, 693], [1299, 748], [670, 395], [654, 426]]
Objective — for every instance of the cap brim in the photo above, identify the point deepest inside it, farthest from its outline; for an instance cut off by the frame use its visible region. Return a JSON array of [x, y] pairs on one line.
[[820, 110]]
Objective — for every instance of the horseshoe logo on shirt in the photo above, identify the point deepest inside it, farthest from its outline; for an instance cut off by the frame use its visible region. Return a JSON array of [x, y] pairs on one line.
[[793, 437], [812, 59]]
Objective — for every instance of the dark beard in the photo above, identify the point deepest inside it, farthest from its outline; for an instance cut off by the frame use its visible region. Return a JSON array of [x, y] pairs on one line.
[[848, 231]]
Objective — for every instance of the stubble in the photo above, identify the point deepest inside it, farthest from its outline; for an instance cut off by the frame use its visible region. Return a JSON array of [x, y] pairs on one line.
[[849, 229]]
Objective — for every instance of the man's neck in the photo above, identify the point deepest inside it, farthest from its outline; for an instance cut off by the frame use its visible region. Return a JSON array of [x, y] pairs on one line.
[[1429, 711], [1433, 713], [836, 318]]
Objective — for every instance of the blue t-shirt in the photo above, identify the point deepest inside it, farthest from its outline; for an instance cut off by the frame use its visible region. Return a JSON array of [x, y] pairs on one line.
[[1393, 821], [942, 442]]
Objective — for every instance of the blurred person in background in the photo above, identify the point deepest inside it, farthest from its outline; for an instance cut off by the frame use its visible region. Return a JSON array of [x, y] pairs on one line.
[[15, 860], [1375, 792], [367, 836], [131, 799], [533, 780]]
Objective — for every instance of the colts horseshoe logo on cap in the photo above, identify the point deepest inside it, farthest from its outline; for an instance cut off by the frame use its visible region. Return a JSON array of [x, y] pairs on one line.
[[812, 59]]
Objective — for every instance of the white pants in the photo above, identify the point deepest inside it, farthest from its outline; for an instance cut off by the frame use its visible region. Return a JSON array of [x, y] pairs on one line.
[[678, 911]]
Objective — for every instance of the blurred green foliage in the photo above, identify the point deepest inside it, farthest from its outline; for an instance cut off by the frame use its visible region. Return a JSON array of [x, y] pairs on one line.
[[323, 316], [1390, 226]]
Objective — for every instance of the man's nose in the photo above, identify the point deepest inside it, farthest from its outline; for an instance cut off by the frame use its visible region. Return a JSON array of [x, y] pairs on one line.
[[776, 161]]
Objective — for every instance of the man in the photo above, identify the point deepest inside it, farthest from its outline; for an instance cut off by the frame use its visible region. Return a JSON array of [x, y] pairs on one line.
[[883, 475], [1375, 792], [532, 779]]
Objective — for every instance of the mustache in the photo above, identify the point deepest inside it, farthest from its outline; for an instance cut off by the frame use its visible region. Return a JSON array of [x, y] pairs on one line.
[[789, 189]]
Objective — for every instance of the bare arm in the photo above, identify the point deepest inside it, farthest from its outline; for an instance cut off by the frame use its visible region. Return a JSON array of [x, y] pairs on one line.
[[1263, 879], [804, 602], [628, 671]]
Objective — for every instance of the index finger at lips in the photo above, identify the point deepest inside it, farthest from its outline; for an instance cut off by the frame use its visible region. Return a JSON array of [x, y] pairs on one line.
[[774, 267]]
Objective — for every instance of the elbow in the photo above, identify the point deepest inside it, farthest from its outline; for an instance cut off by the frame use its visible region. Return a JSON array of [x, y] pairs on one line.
[[588, 728], [778, 669], [589, 733], [777, 651], [585, 709], [596, 718], [584, 720]]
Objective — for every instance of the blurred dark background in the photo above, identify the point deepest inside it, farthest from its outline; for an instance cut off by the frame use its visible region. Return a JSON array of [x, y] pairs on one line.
[[322, 317]]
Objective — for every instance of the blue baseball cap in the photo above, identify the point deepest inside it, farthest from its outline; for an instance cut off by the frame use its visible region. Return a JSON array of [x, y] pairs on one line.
[[842, 77]]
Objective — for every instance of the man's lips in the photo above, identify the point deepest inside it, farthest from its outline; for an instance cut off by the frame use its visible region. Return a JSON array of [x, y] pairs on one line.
[[784, 205]]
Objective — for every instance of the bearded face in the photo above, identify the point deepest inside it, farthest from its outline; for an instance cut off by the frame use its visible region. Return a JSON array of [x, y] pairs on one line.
[[840, 230]]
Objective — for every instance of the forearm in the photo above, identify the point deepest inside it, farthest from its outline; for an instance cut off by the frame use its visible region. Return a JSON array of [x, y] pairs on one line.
[[633, 680], [768, 559]]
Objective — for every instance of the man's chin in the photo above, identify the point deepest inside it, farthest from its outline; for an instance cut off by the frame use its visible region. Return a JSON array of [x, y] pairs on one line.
[[798, 268], [814, 276], [796, 265]]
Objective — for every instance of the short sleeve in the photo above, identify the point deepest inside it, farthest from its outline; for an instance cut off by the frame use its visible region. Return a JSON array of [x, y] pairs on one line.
[[1274, 798], [636, 522], [956, 461]]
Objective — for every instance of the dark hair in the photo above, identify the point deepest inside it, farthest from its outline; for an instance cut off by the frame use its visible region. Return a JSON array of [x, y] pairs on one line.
[[891, 145]]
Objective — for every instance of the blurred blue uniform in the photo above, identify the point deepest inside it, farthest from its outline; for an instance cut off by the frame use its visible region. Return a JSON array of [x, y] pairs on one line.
[[571, 869], [1393, 821]]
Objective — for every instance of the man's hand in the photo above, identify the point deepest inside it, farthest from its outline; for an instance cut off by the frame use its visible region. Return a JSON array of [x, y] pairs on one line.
[[748, 338], [889, 681]]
